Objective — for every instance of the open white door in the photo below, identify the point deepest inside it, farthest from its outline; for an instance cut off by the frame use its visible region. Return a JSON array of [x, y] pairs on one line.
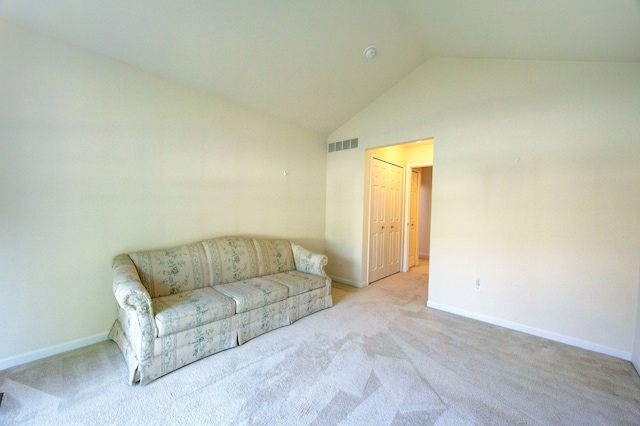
[[385, 227]]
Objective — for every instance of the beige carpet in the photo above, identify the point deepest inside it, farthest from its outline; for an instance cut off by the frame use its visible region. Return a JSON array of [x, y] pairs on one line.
[[378, 357]]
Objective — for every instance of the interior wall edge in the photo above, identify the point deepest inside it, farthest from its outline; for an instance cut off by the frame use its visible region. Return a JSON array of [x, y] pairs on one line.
[[636, 364], [348, 282]]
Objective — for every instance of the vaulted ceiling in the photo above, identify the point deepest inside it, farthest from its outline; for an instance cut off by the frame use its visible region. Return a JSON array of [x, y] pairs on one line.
[[302, 60]]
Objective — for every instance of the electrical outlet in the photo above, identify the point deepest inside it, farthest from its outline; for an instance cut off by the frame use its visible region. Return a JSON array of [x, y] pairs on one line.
[[477, 283]]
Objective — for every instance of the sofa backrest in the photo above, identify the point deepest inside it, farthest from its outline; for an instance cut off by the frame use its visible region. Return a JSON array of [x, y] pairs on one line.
[[211, 262], [174, 270], [234, 259], [274, 256]]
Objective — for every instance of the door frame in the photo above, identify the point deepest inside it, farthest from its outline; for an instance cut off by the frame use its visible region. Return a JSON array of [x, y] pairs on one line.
[[409, 222], [404, 262]]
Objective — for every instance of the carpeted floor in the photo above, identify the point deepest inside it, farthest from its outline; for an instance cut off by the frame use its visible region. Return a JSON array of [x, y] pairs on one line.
[[378, 357]]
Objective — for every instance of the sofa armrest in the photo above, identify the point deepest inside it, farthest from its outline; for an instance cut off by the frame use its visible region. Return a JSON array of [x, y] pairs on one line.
[[132, 296], [308, 261]]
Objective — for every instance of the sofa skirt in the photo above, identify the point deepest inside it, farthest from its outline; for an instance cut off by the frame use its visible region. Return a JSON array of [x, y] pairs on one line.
[[308, 303], [177, 350], [258, 321], [117, 335]]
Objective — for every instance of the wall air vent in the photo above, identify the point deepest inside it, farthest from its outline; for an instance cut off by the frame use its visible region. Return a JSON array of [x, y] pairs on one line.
[[343, 145]]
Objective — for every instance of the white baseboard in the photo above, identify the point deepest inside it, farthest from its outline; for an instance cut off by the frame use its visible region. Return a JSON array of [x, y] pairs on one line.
[[346, 281], [51, 350], [636, 364], [556, 337]]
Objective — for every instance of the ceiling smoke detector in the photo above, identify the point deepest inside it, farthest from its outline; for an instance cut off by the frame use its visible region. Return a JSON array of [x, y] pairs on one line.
[[369, 52]]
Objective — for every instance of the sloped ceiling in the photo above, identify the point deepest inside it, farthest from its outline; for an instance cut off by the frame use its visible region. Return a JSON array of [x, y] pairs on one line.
[[301, 60]]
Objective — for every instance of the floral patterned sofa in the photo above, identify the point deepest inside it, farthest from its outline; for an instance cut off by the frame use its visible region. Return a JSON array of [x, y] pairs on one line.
[[182, 304]]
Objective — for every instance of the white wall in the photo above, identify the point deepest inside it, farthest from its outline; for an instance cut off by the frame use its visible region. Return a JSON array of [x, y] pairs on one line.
[[344, 230], [536, 191], [99, 158]]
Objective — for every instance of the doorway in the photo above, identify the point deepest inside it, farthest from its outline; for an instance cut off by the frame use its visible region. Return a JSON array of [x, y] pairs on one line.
[[415, 160], [418, 216], [414, 217]]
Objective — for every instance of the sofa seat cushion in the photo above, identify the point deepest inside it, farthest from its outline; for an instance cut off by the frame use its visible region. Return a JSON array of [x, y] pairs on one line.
[[190, 309], [254, 293], [298, 282]]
